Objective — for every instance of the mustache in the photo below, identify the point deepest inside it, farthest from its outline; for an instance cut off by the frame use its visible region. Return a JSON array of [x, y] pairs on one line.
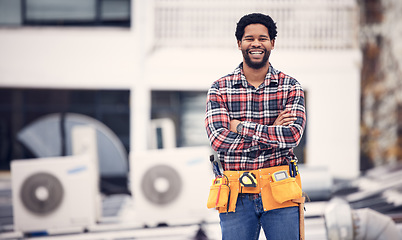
[[256, 48]]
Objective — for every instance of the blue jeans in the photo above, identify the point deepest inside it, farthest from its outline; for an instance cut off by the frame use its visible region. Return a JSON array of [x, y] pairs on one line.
[[246, 222]]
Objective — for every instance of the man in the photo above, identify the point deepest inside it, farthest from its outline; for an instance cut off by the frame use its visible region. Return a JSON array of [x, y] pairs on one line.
[[255, 117]]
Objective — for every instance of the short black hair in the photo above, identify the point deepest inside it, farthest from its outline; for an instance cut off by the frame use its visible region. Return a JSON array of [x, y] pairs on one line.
[[253, 18]]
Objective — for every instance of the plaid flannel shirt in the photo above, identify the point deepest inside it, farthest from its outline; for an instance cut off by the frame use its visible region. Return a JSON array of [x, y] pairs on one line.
[[260, 144]]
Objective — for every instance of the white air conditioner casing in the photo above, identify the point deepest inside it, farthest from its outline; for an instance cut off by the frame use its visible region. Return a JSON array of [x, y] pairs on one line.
[[58, 194], [53, 194], [171, 186]]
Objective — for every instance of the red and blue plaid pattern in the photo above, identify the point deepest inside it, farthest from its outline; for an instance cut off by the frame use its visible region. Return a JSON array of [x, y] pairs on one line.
[[260, 144]]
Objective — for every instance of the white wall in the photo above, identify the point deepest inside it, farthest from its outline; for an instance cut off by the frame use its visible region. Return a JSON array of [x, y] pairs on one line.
[[67, 57]]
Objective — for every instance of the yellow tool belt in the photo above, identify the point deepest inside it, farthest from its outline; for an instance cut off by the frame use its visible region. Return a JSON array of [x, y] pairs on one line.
[[274, 194]]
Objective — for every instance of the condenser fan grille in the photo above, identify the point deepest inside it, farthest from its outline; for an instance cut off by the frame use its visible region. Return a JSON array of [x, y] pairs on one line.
[[41, 193], [163, 175]]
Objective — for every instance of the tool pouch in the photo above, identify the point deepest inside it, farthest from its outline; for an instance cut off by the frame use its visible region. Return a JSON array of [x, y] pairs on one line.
[[285, 190], [218, 196]]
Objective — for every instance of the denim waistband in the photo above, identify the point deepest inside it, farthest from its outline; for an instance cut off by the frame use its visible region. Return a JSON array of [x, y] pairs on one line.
[[251, 196]]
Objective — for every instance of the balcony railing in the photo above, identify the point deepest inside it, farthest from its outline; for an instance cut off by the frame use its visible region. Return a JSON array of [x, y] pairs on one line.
[[302, 24]]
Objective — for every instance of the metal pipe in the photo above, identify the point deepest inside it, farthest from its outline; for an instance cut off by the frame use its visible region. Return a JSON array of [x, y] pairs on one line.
[[344, 223], [370, 224]]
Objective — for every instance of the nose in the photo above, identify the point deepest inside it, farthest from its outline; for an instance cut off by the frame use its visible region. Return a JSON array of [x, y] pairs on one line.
[[256, 43]]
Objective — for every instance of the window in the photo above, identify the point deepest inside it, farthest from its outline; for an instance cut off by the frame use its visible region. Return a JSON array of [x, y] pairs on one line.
[[10, 13], [19, 107], [65, 13], [187, 110]]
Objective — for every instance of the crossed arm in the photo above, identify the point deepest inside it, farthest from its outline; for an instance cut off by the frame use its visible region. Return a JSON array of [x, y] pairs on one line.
[[285, 132], [284, 118]]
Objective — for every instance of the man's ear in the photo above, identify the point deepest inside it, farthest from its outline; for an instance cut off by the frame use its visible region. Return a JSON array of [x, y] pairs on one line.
[[273, 43], [239, 44]]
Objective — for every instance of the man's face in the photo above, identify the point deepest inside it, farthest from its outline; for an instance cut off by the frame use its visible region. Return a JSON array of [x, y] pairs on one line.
[[256, 45]]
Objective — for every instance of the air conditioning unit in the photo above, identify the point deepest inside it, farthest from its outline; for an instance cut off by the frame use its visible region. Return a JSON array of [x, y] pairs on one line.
[[58, 194], [53, 195], [171, 186]]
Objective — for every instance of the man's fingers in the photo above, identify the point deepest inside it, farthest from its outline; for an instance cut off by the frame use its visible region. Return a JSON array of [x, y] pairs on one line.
[[283, 114], [289, 115], [287, 110], [288, 121], [286, 115], [285, 118]]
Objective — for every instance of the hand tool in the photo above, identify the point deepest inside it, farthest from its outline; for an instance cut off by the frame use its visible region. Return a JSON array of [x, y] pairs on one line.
[[280, 175], [215, 166], [247, 179]]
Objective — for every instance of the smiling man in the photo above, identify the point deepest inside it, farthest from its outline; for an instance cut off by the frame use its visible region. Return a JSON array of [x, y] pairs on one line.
[[255, 117], [256, 53]]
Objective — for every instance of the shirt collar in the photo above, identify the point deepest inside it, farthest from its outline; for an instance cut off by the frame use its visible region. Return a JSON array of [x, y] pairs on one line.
[[272, 76]]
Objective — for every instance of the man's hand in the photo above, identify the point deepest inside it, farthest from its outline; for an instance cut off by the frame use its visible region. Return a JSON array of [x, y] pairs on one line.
[[233, 125], [285, 118]]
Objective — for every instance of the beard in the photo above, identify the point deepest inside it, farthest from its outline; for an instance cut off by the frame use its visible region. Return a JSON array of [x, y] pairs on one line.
[[255, 65]]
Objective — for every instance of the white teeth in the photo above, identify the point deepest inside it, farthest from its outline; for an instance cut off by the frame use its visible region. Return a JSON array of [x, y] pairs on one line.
[[256, 53]]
